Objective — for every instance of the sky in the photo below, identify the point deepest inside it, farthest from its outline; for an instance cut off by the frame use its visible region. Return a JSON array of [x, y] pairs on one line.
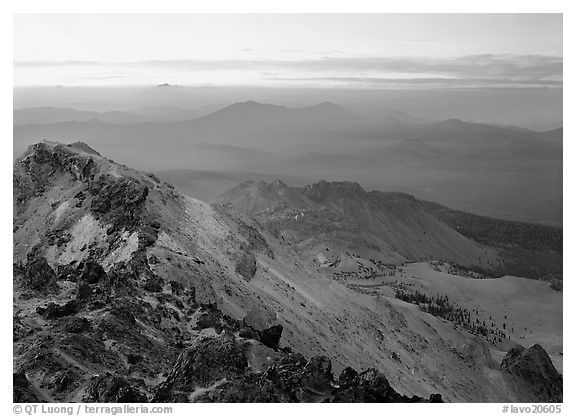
[[418, 51]]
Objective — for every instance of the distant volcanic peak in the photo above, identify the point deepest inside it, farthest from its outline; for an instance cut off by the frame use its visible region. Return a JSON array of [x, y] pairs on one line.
[[327, 107], [252, 110], [456, 123], [453, 122], [253, 105]]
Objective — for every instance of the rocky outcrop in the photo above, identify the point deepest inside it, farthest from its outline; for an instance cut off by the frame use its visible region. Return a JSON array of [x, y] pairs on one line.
[[22, 389], [246, 265], [38, 275], [91, 272], [262, 325], [118, 201], [532, 375], [290, 379], [41, 161], [114, 389], [201, 365]]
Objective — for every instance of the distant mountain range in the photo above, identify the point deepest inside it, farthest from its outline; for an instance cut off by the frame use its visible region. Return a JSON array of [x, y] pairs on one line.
[[51, 115], [494, 170]]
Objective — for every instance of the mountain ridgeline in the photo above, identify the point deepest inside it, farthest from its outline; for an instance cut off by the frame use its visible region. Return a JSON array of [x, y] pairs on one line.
[[393, 227]]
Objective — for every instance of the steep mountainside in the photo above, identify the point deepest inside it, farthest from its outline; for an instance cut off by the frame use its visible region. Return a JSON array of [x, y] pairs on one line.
[[528, 250], [340, 220], [336, 220], [126, 290]]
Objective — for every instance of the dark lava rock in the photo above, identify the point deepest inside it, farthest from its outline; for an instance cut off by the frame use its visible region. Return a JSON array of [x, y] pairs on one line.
[[255, 240], [370, 386], [271, 336], [317, 375], [532, 370], [246, 265], [22, 391], [134, 358], [68, 272], [293, 379], [113, 389], [208, 319], [75, 324], [117, 200], [176, 288], [260, 322], [147, 236], [84, 291], [260, 319], [34, 171], [211, 317], [248, 333], [19, 329], [38, 275], [347, 376], [55, 311], [154, 284], [61, 380], [91, 272], [201, 365], [436, 398]]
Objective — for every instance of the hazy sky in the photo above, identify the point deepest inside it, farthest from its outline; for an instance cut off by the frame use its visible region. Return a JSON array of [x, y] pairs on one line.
[[374, 51]]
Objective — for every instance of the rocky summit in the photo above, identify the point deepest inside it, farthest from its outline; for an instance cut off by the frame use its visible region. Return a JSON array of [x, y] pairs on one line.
[[126, 290]]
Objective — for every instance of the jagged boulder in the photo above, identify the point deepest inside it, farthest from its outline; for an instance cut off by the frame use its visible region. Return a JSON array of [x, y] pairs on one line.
[[113, 389], [148, 235], [39, 276], [261, 324], [531, 373], [22, 390], [370, 386], [91, 272], [84, 291], [56, 311], [201, 365], [271, 336], [246, 265], [260, 318], [317, 375], [35, 169], [154, 284], [118, 201]]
